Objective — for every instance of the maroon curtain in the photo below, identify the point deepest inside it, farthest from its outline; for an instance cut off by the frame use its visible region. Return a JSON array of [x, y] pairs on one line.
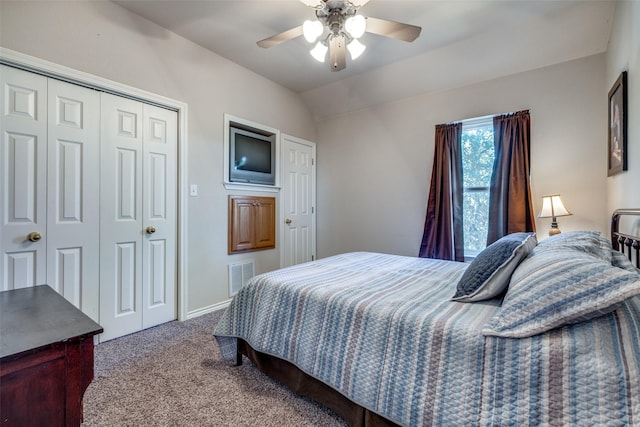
[[443, 236], [510, 207]]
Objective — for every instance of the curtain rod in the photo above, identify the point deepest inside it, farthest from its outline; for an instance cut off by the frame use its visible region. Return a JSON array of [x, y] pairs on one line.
[[487, 117]]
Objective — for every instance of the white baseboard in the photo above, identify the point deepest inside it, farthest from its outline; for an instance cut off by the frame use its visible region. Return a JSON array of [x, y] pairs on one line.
[[209, 309]]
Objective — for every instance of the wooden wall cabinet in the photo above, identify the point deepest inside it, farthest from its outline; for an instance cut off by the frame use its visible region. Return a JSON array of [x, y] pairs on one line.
[[252, 223]]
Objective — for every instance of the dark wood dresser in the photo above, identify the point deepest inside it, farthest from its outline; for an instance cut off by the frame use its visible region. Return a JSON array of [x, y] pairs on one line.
[[46, 358]]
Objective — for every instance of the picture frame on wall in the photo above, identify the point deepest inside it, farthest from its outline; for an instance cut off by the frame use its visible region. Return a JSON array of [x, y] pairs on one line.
[[617, 122]]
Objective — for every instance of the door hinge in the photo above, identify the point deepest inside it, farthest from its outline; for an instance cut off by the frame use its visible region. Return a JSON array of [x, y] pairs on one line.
[[313, 257], [313, 161], [313, 209]]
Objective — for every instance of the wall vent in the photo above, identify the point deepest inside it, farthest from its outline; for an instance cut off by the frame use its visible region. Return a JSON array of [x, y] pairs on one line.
[[239, 274]]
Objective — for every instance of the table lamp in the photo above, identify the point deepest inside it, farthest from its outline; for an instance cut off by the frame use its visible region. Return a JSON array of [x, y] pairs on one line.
[[551, 208]]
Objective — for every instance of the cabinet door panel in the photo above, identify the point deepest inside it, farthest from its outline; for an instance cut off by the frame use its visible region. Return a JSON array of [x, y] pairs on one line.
[[265, 222], [33, 390], [252, 223], [241, 224]]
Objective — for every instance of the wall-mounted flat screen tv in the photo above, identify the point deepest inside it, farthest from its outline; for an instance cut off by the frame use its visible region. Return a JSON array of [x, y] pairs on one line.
[[252, 157]]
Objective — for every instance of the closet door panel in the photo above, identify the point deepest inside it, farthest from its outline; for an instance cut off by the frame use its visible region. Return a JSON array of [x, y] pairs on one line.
[[126, 264], [160, 215], [73, 261], [23, 165], [121, 222]]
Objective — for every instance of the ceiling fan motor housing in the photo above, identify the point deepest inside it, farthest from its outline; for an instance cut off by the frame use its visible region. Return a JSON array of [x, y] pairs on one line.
[[333, 15], [335, 22]]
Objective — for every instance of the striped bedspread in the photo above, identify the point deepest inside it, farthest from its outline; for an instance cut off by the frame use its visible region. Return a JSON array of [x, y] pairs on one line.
[[381, 330]]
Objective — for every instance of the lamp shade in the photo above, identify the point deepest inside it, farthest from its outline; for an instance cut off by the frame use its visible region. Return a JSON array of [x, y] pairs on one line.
[[552, 207]]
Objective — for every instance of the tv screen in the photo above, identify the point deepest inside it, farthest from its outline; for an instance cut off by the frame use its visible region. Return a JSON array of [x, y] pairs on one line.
[[252, 154], [251, 157]]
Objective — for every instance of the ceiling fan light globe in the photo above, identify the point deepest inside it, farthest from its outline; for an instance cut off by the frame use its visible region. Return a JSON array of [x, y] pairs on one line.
[[319, 52], [356, 26], [356, 48], [312, 30]]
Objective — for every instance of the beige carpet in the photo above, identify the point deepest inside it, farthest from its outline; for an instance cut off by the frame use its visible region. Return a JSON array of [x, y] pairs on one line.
[[173, 375]]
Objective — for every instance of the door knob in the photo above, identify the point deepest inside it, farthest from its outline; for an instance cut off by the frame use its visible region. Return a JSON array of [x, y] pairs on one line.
[[287, 221], [34, 236], [151, 230]]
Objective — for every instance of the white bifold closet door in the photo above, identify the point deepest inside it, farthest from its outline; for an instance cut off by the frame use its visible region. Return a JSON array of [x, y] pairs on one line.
[[88, 199], [138, 218], [49, 174]]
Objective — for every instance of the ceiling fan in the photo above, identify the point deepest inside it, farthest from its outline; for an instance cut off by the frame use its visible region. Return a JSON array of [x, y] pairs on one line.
[[339, 26]]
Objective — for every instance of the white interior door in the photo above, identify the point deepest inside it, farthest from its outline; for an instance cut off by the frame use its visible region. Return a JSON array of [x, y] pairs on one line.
[[23, 184], [298, 200], [121, 223], [160, 143], [72, 237]]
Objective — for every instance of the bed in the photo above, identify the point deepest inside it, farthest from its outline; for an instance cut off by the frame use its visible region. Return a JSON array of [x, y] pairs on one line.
[[530, 333]]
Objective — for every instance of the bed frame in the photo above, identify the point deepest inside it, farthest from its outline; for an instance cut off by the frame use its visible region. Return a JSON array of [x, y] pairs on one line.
[[356, 416], [305, 385], [625, 243]]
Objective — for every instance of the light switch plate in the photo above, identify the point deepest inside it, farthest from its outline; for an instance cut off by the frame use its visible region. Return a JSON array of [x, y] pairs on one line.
[[193, 191]]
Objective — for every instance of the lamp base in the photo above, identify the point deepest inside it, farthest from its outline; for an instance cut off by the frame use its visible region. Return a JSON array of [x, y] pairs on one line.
[[554, 227], [554, 231]]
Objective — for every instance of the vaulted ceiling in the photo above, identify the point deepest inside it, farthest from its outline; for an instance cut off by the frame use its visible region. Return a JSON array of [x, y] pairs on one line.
[[462, 42]]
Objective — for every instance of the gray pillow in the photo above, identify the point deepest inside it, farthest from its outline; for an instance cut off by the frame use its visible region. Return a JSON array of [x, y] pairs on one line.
[[551, 289], [590, 242], [489, 274]]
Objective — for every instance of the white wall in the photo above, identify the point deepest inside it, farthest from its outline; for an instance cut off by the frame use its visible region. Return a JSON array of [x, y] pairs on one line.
[[104, 39], [624, 54], [374, 165]]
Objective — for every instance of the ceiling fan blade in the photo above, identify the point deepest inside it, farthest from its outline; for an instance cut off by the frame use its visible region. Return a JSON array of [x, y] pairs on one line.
[[319, 3], [280, 38], [312, 3], [395, 30], [337, 53]]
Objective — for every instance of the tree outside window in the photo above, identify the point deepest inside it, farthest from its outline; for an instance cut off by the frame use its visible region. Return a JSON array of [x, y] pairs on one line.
[[477, 165]]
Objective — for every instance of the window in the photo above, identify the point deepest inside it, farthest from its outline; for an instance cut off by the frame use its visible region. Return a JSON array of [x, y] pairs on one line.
[[477, 165]]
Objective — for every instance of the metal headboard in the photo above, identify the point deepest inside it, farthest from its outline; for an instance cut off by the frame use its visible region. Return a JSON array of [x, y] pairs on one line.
[[625, 243]]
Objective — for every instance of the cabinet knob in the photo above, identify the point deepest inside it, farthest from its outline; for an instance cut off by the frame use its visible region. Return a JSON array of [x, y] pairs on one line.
[[151, 230], [34, 236], [287, 221]]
